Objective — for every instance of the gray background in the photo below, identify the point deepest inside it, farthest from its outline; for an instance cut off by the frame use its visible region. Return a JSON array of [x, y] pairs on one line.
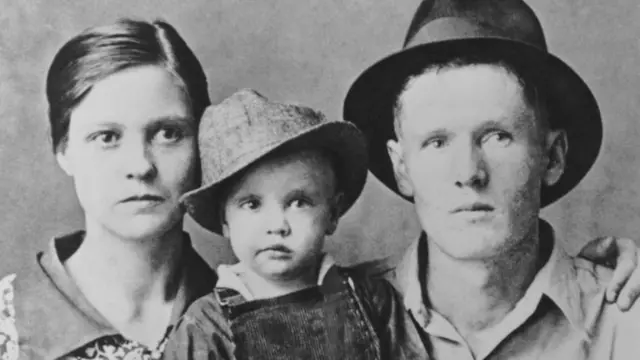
[[305, 51]]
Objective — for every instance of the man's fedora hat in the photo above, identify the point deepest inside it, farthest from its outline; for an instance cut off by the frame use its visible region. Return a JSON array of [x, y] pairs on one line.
[[246, 127], [507, 30]]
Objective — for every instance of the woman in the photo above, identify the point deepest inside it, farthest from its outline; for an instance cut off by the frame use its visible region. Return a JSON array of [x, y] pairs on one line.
[[124, 105], [125, 101]]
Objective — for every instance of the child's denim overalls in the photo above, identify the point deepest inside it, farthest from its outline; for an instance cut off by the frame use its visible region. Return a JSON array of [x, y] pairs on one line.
[[323, 322]]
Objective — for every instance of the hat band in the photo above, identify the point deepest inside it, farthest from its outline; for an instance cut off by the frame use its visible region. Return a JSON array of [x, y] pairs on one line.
[[458, 28]]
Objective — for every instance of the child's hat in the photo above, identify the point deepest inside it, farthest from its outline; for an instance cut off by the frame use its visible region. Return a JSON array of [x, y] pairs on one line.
[[247, 126]]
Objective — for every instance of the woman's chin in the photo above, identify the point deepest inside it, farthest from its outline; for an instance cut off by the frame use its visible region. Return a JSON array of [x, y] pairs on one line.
[[142, 227]]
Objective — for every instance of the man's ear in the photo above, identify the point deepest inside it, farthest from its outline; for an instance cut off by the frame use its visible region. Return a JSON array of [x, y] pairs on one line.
[[557, 147], [337, 205], [396, 154], [62, 157]]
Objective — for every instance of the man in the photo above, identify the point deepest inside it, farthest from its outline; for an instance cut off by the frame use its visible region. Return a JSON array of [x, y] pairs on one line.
[[489, 128]]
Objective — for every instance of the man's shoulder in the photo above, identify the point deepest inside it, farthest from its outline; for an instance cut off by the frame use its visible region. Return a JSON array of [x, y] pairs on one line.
[[593, 280], [591, 277]]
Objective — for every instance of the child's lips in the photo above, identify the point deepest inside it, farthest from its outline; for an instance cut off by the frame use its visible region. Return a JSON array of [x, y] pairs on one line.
[[276, 248]]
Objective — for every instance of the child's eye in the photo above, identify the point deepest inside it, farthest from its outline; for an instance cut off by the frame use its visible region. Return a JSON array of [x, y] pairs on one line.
[[250, 205], [300, 203]]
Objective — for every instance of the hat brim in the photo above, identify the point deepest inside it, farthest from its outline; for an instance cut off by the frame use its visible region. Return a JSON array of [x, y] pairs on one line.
[[342, 139], [370, 101]]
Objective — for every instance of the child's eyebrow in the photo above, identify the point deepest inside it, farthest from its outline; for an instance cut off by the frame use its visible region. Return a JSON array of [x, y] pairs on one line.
[[305, 191], [241, 197]]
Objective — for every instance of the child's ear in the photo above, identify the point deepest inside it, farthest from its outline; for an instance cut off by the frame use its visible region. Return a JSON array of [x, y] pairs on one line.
[[337, 205], [223, 221]]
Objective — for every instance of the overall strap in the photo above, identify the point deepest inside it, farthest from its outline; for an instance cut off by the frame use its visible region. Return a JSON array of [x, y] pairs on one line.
[[228, 298]]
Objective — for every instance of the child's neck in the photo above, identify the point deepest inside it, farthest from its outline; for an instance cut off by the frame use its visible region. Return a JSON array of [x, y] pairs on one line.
[[262, 287]]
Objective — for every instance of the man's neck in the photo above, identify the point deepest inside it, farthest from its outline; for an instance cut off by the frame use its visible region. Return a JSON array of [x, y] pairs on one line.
[[477, 295], [132, 283]]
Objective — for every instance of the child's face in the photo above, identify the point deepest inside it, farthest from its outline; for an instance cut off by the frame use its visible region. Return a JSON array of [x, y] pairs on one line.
[[279, 212]]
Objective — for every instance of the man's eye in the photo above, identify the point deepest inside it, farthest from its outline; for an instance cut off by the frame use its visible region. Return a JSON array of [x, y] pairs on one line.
[[498, 138], [250, 205]]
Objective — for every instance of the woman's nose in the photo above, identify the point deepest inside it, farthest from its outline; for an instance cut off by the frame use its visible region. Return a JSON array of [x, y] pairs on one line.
[[138, 162]]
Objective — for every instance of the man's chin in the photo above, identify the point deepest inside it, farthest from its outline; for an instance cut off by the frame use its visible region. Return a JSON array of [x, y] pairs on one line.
[[475, 243]]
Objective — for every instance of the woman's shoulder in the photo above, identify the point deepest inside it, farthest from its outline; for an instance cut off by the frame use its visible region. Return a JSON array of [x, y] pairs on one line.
[[8, 329], [19, 292], [29, 304]]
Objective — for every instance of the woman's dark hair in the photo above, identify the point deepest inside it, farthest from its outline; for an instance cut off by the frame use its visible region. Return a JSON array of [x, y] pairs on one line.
[[101, 51]]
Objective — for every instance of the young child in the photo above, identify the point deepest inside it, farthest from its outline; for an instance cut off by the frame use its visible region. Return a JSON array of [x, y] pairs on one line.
[[276, 180]]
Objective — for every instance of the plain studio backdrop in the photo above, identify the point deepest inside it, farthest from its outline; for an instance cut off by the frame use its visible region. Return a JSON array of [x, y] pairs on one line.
[[308, 52]]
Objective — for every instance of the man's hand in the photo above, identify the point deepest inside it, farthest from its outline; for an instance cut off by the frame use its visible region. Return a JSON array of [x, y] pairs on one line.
[[622, 255]]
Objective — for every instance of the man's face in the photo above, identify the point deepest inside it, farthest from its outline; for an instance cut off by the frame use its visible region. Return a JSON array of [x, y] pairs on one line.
[[473, 156]]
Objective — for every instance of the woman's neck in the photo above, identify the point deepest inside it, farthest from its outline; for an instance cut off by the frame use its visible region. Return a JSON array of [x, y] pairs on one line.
[[132, 283]]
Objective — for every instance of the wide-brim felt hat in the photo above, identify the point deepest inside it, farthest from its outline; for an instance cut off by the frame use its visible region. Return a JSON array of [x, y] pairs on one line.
[[506, 30], [247, 127]]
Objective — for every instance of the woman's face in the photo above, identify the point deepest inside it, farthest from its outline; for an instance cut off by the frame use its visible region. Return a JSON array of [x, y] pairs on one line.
[[132, 152]]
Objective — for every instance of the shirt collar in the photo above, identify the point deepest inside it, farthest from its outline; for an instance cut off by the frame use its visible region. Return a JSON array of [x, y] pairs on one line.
[[229, 276], [81, 322], [557, 280]]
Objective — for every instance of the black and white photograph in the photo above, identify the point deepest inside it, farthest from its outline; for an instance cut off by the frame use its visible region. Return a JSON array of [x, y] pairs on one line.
[[319, 179]]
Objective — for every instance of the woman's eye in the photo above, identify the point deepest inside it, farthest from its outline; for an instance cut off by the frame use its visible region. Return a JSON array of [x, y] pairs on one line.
[[105, 138], [435, 143], [169, 135]]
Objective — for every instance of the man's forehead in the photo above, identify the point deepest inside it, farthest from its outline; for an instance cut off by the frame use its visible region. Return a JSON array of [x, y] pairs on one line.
[[479, 91]]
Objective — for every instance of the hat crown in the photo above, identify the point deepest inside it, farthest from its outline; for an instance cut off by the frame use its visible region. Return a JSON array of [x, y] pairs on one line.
[[440, 20], [246, 123]]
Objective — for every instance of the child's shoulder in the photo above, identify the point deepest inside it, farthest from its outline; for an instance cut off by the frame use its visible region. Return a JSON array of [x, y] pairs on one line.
[[375, 292], [206, 313]]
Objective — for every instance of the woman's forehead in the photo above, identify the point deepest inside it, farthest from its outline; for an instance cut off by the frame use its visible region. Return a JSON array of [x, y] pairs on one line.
[[133, 96]]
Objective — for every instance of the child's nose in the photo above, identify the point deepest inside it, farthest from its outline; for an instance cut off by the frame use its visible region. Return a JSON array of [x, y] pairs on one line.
[[278, 224]]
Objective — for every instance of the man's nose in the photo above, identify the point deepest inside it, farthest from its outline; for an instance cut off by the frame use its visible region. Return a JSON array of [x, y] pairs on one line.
[[469, 167]]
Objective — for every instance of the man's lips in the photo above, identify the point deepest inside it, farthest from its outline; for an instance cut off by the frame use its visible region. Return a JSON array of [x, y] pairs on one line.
[[473, 207]]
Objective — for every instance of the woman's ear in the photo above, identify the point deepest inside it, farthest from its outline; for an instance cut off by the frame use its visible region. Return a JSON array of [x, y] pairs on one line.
[[225, 230], [62, 157]]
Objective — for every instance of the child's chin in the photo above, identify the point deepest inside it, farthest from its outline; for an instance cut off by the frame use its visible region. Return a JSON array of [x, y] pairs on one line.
[[279, 271]]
